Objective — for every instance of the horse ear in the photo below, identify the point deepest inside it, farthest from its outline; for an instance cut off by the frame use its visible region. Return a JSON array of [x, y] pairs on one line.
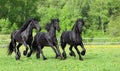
[[76, 27], [83, 22], [52, 20], [30, 20], [58, 20], [35, 19], [77, 21]]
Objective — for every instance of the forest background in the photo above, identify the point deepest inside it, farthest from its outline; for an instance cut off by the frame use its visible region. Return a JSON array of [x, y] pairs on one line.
[[101, 17]]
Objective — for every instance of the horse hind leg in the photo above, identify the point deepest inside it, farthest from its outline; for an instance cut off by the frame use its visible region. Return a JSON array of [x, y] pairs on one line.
[[71, 52], [40, 51], [12, 48], [18, 51], [63, 48]]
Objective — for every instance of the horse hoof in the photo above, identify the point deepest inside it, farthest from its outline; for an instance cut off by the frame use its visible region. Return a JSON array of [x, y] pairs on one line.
[[83, 53], [64, 56], [58, 57], [44, 58], [24, 53], [18, 53], [17, 57], [28, 55], [72, 54], [81, 59], [38, 57]]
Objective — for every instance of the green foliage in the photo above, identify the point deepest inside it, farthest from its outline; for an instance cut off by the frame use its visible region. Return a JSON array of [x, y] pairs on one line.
[[114, 26], [96, 13], [5, 26]]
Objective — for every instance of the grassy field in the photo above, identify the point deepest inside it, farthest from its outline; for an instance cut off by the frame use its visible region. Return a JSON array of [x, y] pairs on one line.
[[97, 58]]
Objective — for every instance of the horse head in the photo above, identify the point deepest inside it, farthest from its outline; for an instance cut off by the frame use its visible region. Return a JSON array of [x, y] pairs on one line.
[[35, 24], [55, 23], [79, 24]]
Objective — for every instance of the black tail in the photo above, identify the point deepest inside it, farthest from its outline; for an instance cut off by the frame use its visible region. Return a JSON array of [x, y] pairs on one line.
[[10, 48]]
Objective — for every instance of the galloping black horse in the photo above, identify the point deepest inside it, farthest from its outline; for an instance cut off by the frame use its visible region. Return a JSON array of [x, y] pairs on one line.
[[47, 39], [23, 36], [73, 38]]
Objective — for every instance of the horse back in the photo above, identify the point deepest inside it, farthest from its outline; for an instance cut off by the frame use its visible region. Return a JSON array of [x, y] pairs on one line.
[[42, 39]]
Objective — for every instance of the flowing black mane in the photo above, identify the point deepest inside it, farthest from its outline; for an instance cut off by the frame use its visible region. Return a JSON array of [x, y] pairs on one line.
[[75, 25], [47, 27], [25, 25]]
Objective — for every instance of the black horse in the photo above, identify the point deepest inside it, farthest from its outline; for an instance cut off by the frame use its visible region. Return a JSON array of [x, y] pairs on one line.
[[47, 39], [23, 36], [73, 38]]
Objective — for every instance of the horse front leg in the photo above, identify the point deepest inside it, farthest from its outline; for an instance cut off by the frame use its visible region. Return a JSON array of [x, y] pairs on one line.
[[54, 50], [63, 48], [72, 53], [25, 51], [31, 51], [83, 49], [58, 50], [80, 58]]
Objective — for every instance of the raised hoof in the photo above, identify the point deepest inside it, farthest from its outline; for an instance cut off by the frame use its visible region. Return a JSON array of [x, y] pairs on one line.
[[28, 55], [24, 53], [72, 54], [83, 53], [44, 58]]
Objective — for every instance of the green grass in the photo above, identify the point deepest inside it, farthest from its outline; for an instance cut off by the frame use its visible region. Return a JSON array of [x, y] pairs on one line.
[[97, 58]]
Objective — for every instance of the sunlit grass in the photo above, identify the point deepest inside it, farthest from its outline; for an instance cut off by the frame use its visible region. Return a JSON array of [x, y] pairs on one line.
[[97, 58]]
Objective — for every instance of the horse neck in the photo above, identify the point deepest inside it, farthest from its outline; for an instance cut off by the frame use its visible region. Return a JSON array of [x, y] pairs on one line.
[[29, 29], [75, 32], [52, 31]]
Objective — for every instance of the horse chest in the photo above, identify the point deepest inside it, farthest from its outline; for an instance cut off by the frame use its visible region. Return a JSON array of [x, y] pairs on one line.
[[74, 37]]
